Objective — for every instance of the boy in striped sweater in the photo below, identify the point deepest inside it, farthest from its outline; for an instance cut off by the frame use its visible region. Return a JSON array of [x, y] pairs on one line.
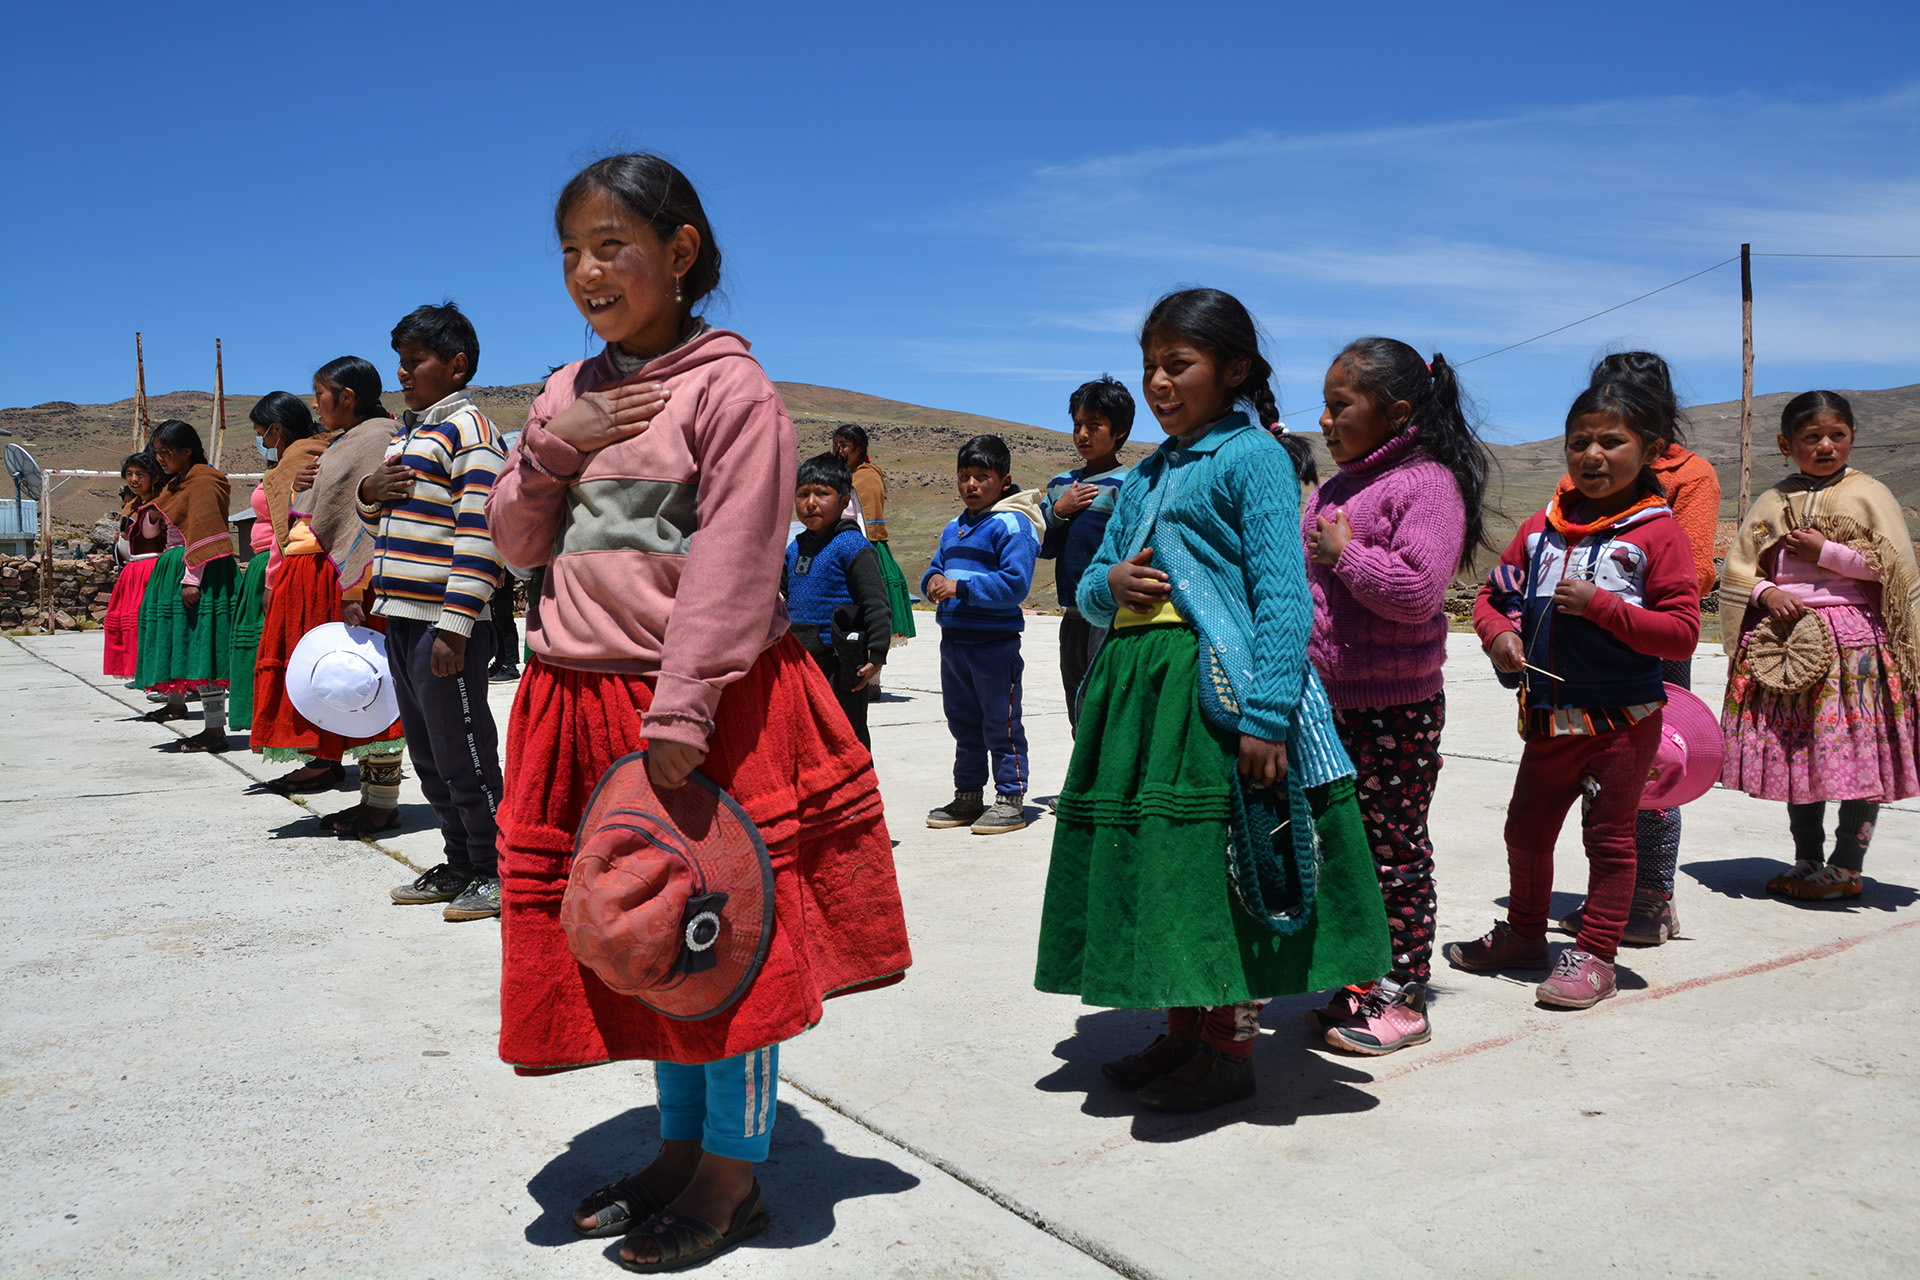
[[979, 578], [434, 571]]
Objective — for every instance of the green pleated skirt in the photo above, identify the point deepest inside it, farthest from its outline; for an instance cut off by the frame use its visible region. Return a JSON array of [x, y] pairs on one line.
[[897, 598], [249, 616], [1139, 910], [180, 648]]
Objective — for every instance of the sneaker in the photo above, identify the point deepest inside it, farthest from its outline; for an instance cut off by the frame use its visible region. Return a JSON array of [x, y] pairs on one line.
[[1137, 1070], [1580, 981], [958, 812], [442, 884], [1390, 1017], [1009, 813], [503, 674], [480, 900], [1502, 948], [1825, 885], [1345, 1003], [1227, 1080], [1651, 920], [1782, 883]]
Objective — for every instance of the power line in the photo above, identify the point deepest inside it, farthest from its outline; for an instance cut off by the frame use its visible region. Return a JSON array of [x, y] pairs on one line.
[[1596, 315]]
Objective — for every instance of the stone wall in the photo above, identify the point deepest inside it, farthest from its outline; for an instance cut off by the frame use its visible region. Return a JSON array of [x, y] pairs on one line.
[[81, 590]]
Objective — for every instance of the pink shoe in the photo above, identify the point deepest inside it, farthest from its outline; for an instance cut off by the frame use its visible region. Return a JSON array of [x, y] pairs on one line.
[[1389, 1018], [1502, 948], [1345, 1003], [1579, 981]]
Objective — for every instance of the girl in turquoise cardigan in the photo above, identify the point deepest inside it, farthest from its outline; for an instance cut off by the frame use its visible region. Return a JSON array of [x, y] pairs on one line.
[[1209, 853]]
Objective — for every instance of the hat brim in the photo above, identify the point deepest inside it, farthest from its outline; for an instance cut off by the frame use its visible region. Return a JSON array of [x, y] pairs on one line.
[[733, 860], [331, 637], [1695, 722]]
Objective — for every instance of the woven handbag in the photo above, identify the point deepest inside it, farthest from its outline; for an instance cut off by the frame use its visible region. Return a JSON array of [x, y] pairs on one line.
[[1791, 657]]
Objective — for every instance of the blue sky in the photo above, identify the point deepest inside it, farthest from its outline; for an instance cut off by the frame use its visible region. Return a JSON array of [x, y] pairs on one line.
[[971, 207]]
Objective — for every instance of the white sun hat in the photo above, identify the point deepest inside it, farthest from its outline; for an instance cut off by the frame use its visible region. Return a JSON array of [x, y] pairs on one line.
[[339, 680]]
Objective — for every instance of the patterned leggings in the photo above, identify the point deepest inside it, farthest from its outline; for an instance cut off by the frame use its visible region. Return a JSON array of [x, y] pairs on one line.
[[1396, 751]]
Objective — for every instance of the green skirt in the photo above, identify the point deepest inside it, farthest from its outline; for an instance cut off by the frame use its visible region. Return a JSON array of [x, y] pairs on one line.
[[249, 616], [897, 597], [1139, 912], [180, 648]]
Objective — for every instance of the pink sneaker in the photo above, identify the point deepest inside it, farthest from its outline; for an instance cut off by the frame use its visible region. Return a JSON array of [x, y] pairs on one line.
[[1579, 981], [1389, 1018], [1345, 1003], [1502, 948]]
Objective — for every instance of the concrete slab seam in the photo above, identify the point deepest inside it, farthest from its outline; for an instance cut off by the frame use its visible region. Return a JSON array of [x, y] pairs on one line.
[[220, 756], [1821, 952], [1106, 1257]]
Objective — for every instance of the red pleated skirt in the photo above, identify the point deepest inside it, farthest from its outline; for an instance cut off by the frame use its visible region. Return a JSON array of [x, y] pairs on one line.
[[306, 596], [122, 623], [783, 749]]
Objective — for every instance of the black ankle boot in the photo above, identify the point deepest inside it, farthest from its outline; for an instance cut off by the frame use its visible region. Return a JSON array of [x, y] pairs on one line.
[[1227, 1080], [1152, 1062]]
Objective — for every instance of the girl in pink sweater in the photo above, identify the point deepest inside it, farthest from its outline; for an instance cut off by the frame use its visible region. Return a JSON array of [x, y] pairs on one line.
[[1384, 537]]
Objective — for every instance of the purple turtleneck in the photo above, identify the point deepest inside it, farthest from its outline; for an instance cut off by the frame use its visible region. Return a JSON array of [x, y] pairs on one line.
[[1379, 634]]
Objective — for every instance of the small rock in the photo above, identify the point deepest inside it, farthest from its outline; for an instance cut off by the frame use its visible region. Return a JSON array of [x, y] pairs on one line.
[[64, 621]]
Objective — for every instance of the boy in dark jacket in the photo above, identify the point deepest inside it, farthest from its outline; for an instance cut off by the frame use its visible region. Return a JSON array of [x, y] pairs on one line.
[[1077, 506], [832, 570]]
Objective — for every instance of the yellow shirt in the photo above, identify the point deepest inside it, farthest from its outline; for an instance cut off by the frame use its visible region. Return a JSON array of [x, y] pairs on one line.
[[1164, 614]]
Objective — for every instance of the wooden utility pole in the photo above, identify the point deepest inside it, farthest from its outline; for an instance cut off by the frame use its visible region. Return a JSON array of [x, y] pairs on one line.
[[1746, 379], [142, 428], [219, 405]]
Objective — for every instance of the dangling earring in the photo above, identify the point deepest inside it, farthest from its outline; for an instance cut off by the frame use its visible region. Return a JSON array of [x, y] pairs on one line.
[[677, 298]]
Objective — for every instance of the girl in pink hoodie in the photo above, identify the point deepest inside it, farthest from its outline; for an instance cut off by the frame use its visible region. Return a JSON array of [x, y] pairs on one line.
[[1384, 537], [653, 483]]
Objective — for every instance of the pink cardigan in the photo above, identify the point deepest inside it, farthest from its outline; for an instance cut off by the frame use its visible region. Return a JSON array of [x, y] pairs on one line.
[[663, 551], [1379, 634]]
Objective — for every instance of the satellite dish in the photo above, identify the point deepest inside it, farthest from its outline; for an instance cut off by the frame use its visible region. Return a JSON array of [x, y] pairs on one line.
[[24, 471]]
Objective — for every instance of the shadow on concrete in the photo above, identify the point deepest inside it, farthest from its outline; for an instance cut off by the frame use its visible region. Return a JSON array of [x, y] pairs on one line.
[[1559, 907], [1294, 1080], [1747, 878], [308, 825], [804, 1178]]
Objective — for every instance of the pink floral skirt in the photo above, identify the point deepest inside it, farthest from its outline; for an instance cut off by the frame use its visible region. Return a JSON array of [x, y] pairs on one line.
[[1853, 736]]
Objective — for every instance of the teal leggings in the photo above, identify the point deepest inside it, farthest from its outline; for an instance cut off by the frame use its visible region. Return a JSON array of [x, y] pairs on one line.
[[727, 1105]]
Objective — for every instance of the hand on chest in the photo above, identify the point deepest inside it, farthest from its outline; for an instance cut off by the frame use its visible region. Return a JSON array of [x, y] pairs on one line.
[[1619, 567]]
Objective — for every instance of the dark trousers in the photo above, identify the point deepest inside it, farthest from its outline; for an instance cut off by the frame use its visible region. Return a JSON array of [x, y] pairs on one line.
[[980, 689], [1079, 641], [506, 637], [1605, 774], [451, 739], [855, 703]]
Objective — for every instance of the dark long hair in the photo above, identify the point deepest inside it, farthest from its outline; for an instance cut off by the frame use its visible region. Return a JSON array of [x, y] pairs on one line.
[[854, 434], [1638, 408], [1808, 403], [351, 373], [1385, 371], [286, 411], [658, 195], [144, 461], [1221, 323], [179, 435], [1651, 372]]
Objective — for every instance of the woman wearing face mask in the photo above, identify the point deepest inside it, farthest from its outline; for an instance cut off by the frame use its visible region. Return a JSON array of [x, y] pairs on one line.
[[304, 591], [278, 419]]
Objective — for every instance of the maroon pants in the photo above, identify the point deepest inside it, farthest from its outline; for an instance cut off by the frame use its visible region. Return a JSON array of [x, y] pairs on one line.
[[1606, 775]]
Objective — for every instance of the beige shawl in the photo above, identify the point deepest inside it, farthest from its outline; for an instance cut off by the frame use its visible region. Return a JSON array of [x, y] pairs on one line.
[[279, 481], [1850, 507], [331, 507]]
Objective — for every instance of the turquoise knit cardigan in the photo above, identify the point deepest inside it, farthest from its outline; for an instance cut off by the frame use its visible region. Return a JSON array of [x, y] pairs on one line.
[[1223, 518]]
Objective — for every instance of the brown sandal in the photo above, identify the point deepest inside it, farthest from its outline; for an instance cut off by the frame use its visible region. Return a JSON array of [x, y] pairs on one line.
[[616, 1208], [358, 823], [212, 741], [688, 1242], [164, 713]]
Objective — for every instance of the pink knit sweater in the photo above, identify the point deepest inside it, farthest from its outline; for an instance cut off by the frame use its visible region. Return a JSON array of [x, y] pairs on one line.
[[1379, 635]]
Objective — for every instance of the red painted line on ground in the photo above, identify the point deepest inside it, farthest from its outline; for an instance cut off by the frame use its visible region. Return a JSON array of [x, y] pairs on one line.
[[1820, 952]]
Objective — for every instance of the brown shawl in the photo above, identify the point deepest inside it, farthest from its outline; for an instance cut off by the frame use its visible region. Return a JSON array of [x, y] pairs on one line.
[[1853, 508], [331, 507], [279, 481], [196, 504]]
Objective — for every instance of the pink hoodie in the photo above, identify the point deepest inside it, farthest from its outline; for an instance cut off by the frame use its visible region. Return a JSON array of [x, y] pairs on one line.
[[629, 586]]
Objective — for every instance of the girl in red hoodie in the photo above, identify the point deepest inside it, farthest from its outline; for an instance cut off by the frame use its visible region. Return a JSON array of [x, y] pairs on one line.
[[645, 636], [1606, 588]]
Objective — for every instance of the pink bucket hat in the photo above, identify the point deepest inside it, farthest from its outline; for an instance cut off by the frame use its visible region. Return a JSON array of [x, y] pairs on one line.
[[1691, 752], [670, 896]]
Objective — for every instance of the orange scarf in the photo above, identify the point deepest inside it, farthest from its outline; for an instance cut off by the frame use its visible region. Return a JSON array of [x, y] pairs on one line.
[[1563, 523]]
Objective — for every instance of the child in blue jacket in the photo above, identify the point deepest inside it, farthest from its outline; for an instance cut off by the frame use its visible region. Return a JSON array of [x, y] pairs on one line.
[[1076, 509], [978, 579]]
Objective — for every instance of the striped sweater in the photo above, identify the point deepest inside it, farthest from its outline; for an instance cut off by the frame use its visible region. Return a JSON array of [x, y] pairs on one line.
[[434, 559]]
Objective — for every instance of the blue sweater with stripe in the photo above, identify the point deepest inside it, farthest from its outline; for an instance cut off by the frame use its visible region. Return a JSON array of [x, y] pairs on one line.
[[988, 556]]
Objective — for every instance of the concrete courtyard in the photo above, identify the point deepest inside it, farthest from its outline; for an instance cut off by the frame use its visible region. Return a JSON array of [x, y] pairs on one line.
[[224, 1052]]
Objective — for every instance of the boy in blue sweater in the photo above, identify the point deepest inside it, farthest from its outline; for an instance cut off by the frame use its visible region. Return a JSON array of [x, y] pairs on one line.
[[1076, 509], [832, 570], [979, 578]]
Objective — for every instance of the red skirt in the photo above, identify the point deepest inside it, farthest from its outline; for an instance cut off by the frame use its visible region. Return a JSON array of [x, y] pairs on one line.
[[783, 749], [122, 623], [306, 596]]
